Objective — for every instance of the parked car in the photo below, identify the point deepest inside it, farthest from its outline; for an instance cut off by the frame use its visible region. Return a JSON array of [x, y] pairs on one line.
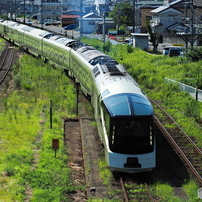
[[121, 32], [129, 41], [29, 22], [173, 51], [111, 36], [70, 27]]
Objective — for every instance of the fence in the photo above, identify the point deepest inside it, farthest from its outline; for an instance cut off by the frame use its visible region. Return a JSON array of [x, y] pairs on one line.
[[194, 92]]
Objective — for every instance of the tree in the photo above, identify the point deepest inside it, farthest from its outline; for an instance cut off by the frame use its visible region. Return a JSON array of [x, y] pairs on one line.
[[122, 14], [154, 38]]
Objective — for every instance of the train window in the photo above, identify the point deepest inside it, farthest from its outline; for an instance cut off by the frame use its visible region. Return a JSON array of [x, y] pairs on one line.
[[141, 105], [106, 119], [119, 105], [96, 71], [131, 136], [105, 93]]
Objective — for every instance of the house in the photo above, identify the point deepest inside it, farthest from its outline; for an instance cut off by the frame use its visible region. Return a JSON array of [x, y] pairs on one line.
[[103, 6], [142, 13], [71, 17], [178, 21], [94, 23], [163, 17]]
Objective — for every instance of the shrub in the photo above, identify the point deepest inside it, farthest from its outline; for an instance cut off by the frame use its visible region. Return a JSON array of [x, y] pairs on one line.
[[195, 54]]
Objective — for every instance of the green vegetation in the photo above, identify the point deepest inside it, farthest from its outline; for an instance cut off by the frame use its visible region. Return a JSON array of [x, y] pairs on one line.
[[195, 54], [122, 13], [191, 189], [165, 192], [27, 162]]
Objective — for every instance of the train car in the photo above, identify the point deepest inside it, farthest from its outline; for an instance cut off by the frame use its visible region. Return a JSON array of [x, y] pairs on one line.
[[7, 30], [57, 49], [123, 113], [32, 39]]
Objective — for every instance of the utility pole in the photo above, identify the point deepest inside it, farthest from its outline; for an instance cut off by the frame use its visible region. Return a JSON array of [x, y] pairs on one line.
[[192, 24], [104, 22], [133, 17], [81, 21], [186, 23], [189, 22], [24, 13], [104, 28]]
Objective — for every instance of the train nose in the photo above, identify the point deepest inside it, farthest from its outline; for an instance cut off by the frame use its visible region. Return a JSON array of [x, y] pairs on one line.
[[132, 162]]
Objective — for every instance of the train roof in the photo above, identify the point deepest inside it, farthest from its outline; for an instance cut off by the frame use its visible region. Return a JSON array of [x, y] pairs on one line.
[[27, 29], [90, 53], [128, 104], [9, 23], [61, 39], [37, 32]]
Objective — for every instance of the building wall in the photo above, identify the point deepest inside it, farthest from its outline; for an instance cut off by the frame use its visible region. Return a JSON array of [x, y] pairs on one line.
[[167, 19], [145, 14], [141, 42]]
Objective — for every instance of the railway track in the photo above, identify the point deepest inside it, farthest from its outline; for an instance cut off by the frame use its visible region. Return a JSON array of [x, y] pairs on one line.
[[136, 192], [7, 58], [83, 151], [83, 148], [183, 145]]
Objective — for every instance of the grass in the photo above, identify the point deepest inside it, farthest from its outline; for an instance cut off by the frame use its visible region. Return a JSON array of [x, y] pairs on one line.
[[191, 189], [28, 162], [165, 193]]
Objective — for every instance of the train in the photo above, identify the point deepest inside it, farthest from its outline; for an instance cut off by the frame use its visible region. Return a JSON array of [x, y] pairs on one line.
[[124, 114]]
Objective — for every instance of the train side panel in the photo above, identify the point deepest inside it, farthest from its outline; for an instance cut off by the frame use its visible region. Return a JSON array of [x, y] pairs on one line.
[[57, 53], [82, 72], [33, 41], [9, 32]]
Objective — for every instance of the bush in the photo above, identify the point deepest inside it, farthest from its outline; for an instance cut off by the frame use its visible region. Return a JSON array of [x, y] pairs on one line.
[[195, 54]]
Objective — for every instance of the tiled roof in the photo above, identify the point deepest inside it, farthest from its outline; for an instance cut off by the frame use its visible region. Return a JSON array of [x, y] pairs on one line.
[[70, 16]]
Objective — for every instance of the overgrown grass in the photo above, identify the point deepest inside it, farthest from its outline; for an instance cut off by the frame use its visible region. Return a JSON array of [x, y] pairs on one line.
[[165, 193], [191, 189], [2, 44], [27, 161]]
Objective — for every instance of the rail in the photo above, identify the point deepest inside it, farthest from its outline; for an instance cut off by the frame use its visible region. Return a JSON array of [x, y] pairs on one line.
[[181, 142], [6, 63]]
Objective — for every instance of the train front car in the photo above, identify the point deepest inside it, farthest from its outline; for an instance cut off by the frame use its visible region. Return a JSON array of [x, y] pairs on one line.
[[126, 122]]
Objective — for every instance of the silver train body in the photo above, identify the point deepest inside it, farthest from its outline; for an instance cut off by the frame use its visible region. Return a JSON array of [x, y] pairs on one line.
[[123, 113]]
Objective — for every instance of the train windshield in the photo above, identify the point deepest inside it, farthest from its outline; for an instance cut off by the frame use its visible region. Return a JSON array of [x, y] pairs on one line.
[[131, 136]]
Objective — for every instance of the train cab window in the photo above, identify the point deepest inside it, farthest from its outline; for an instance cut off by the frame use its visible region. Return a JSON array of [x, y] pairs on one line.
[[131, 136]]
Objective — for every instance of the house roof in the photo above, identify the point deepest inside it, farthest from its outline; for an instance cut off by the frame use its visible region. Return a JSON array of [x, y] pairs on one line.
[[175, 2], [176, 26], [70, 16], [92, 15], [73, 12], [160, 9], [99, 1], [163, 8]]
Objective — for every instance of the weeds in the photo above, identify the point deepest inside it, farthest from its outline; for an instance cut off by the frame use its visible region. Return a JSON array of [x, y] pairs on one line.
[[21, 122]]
